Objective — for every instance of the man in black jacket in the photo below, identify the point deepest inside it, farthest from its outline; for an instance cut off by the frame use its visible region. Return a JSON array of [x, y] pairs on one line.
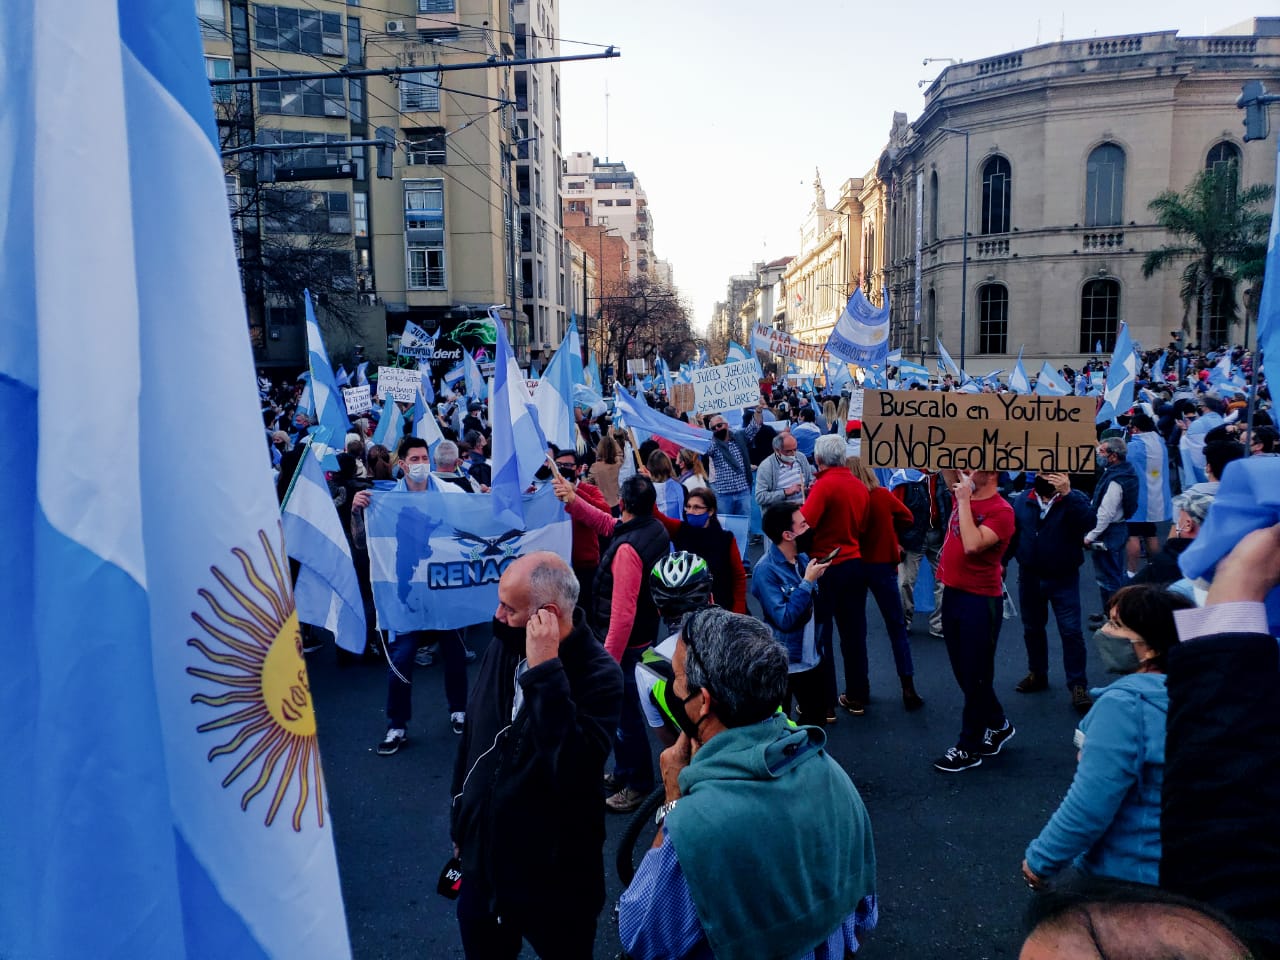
[[527, 820], [1052, 521], [1219, 834]]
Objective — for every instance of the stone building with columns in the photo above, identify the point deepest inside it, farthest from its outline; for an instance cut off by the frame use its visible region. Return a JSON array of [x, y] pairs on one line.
[[1068, 143]]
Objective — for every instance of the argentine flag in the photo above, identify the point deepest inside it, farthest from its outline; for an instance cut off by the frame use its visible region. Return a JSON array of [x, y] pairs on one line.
[[736, 353], [162, 794], [390, 425], [861, 332], [1150, 458], [327, 593], [518, 445], [475, 385], [331, 415], [946, 364], [1051, 383], [639, 416], [554, 396], [1018, 380], [1269, 302], [1122, 376]]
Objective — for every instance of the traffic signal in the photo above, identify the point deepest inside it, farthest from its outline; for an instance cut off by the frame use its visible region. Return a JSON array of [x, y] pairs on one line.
[[386, 151], [1254, 102]]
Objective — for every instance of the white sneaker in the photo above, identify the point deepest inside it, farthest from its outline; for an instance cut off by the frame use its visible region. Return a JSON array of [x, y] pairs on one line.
[[393, 741], [458, 720]]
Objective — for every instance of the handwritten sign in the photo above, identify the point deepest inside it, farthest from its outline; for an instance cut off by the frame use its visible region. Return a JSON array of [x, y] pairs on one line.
[[400, 385], [961, 431], [682, 397], [857, 396], [357, 400], [730, 386]]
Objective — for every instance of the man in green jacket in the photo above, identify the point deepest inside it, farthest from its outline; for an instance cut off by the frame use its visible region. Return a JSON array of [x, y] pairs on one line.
[[765, 848]]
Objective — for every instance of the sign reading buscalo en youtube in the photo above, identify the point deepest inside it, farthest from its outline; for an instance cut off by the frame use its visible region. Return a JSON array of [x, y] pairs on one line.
[[978, 431]]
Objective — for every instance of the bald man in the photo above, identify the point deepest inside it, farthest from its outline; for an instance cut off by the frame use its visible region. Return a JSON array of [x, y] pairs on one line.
[[527, 820]]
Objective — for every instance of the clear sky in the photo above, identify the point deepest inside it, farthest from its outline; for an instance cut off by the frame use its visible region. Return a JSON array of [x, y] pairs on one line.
[[724, 109]]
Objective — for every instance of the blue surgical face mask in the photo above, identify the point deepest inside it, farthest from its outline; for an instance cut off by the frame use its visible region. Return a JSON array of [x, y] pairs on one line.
[[1102, 461], [697, 519], [418, 472]]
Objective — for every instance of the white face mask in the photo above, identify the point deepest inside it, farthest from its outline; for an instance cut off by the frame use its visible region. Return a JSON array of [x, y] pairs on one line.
[[418, 472]]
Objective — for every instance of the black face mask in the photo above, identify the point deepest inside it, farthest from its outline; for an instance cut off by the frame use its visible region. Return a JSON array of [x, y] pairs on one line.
[[676, 708], [804, 542], [721, 432], [511, 638], [1043, 488]]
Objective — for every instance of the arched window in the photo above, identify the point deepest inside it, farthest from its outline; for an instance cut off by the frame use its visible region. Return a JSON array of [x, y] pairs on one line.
[[1099, 316], [933, 207], [993, 318], [1222, 154], [1222, 312], [997, 189], [1104, 187]]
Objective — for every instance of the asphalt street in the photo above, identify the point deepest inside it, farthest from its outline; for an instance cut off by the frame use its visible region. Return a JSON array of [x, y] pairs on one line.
[[948, 846]]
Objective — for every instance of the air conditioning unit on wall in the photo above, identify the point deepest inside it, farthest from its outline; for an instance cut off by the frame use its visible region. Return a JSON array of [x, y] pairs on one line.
[[395, 26]]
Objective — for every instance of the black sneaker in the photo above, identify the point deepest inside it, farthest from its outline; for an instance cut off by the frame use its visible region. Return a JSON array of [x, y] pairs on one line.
[[955, 760], [1032, 683], [393, 741], [993, 741], [1080, 699]]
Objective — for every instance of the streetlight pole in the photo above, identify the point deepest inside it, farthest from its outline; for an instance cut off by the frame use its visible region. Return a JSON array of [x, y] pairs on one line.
[[964, 243]]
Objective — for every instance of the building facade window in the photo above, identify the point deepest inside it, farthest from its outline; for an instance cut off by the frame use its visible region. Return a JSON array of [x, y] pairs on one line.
[[213, 19], [355, 48], [360, 213], [997, 193], [1099, 315], [993, 318], [290, 30], [420, 91], [1217, 332], [435, 6], [219, 68], [427, 147], [933, 206], [307, 211], [320, 97], [1104, 187], [1222, 154], [424, 234]]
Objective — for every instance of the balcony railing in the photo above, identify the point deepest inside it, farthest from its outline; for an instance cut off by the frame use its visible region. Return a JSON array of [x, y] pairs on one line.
[[1103, 241]]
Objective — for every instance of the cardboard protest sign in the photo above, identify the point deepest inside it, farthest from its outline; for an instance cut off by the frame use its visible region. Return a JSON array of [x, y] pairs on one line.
[[357, 400], [399, 384], [856, 400], [962, 431], [730, 386], [682, 397]]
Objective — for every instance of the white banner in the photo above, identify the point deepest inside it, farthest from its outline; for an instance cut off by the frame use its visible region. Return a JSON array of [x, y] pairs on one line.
[[399, 384], [919, 238], [730, 386], [772, 340], [357, 400]]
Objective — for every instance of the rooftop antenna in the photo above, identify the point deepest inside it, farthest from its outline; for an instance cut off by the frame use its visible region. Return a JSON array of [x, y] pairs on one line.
[[606, 121], [1037, 33], [1062, 28]]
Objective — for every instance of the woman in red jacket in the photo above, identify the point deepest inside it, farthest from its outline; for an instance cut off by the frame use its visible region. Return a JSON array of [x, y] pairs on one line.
[[880, 557]]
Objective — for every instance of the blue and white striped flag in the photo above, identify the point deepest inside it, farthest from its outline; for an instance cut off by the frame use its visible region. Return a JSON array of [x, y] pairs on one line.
[[426, 387], [1150, 458], [327, 593], [1157, 368], [341, 377], [894, 356], [362, 376], [861, 332], [554, 396], [639, 416], [1122, 376], [162, 793], [1269, 302], [454, 377], [911, 372], [476, 388], [331, 413], [1019, 382], [946, 364], [736, 353], [425, 425], [1051, 383], [519, 447], [390, 425]]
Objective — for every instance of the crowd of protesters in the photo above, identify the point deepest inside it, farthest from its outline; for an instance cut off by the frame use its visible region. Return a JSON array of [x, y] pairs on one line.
[[1144, 829]]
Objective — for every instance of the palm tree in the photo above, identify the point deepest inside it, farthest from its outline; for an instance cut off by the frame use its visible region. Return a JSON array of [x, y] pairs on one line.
[[1221, 229]]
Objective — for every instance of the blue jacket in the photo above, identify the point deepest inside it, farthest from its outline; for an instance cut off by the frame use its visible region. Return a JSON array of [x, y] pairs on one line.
[[786, 603], [1109, 821], [1051, 548]]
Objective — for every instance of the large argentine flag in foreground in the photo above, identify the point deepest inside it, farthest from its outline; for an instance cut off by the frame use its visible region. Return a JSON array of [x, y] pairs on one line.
[[435, 558], [162, 792]]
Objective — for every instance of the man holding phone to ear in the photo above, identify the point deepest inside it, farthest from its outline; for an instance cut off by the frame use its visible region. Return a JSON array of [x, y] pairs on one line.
[[980, 529]]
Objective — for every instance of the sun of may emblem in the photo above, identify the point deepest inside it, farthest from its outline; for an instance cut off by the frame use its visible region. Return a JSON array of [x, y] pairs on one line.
[[254, 650]]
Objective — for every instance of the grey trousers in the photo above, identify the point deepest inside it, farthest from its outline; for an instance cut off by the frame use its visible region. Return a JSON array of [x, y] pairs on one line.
[[909, 570]]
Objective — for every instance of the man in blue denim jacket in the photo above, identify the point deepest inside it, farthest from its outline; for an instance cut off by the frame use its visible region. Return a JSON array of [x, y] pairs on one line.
[[785, 582]]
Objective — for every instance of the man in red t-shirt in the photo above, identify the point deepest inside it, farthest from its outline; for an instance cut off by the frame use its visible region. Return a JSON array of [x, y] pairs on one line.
[[978, 535]]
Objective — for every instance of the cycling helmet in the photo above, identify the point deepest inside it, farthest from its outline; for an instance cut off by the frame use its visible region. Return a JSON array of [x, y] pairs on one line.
[[679, 583]]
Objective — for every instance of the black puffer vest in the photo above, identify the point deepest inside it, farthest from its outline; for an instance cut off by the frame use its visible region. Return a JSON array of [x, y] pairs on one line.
[[648, 538]]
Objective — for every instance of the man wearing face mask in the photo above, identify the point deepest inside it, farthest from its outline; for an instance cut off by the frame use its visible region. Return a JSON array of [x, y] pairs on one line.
[[586, 542], [785, 476], [731, 463], [402, 648], [1115, 499], [1052, 521], [764, 847], [526, 818]]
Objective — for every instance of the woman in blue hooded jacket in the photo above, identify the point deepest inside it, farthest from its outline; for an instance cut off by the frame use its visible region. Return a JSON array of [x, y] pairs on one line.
[[1109, 822]]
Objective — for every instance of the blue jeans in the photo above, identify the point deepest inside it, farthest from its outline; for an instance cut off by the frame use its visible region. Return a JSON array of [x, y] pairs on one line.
[[739, 504], [1035, 594], [971, 630], [632, 757], [1108, 564], [757, 515], [400, 653], [842, 602], [882, 581]]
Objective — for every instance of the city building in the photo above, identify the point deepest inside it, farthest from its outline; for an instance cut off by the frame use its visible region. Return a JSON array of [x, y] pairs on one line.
[[1067, 145], [543, 253], [607, 194], [821, 276]]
